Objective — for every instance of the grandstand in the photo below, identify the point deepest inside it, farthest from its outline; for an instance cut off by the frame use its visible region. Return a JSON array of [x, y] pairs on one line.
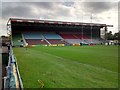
[[17, 39], [44, 32], [58, 66]]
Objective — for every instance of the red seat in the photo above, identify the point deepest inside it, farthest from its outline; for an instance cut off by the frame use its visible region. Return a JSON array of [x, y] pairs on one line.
[[35, 41], [57, 41], [68, 36]]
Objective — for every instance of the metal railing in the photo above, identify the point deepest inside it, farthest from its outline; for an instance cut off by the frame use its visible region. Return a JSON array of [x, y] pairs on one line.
[[12, 78]]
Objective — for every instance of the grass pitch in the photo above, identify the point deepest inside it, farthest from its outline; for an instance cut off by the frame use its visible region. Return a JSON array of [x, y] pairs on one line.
[[68, 67]]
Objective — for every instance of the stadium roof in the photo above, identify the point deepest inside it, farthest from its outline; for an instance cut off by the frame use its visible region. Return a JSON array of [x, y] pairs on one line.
[[56, 22]]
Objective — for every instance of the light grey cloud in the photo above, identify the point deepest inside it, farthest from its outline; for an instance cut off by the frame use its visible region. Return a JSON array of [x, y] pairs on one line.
[[10, 0], [69, 4], [32, 0], [44, 5], [60, 9], [119, 15], [41, 9], [98, 7], [69, 11], [24, 9], [59, 0], [12, 10]]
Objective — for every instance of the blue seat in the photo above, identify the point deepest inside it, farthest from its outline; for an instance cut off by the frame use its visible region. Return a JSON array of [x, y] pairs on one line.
[[52, 36], [33, 35]]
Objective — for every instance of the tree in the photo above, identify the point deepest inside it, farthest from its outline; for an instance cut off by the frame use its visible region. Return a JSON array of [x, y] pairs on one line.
[[116, 36], [109, 35]]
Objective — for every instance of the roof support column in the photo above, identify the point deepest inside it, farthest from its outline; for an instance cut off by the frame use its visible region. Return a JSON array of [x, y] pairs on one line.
[[91, 33], [105, 32], [82, 32]]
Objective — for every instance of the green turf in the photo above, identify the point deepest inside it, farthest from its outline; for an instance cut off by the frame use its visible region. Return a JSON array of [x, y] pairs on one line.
[[68, 67]]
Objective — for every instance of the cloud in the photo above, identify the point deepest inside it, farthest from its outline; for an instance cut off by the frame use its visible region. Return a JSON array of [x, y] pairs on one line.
[[32, 0], [44, 5], [39, 10], [12, 10], [69, 4], [64, 11], [98, 7], [24, 9]]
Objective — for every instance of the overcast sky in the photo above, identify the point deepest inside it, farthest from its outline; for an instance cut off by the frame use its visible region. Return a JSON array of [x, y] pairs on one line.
[[68, 10]]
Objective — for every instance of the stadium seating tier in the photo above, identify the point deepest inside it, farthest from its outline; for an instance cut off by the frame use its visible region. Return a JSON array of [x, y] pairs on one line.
[[36, 41], [17, 40]]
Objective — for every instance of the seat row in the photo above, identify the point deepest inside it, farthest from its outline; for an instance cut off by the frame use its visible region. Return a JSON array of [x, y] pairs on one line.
[[34, 38]]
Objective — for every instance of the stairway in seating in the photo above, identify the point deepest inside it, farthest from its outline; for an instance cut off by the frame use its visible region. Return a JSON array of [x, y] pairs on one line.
[[46, 40]]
